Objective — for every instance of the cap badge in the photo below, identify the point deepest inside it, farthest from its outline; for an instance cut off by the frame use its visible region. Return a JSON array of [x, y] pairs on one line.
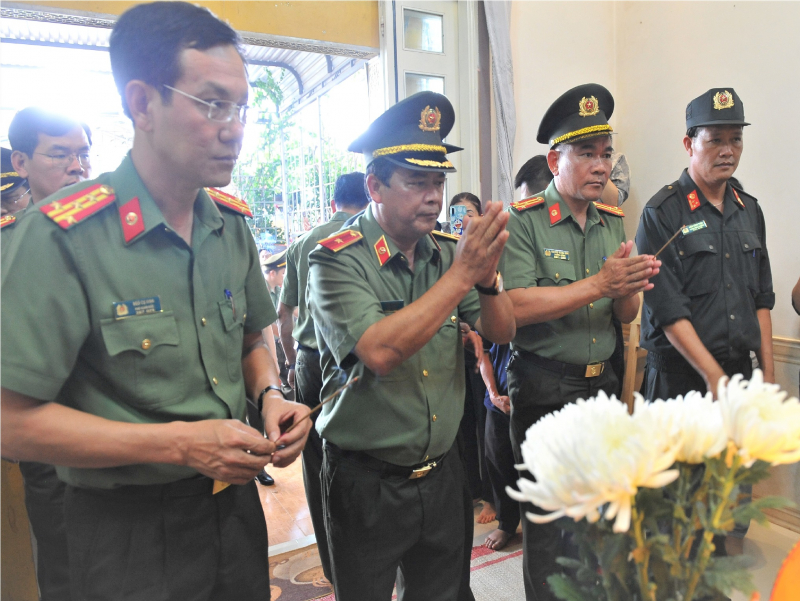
[[588, 107], [430, 118], [723, 100]]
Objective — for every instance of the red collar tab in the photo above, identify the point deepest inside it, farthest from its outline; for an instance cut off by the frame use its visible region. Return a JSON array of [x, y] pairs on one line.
[[694, 202], [75, 208], [736, 194], [382, 250], [130, 217], [555, 214], [229, 201]]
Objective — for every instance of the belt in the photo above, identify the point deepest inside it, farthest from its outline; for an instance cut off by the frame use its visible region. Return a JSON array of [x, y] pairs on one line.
[[188, 487], [676, 364], [307, 349], [385, 468], [565, 369]]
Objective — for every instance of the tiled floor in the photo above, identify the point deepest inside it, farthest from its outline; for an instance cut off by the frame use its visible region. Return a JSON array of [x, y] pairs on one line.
[[285, 505]]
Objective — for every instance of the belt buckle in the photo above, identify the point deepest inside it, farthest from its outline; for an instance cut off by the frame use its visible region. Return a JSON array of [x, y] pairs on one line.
[[594, 370], [422, 471]]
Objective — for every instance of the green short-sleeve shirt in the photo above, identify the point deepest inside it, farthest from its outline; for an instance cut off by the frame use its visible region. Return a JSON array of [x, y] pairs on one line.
[[296, 279], [547, 247], [65, 340], [413, 413]]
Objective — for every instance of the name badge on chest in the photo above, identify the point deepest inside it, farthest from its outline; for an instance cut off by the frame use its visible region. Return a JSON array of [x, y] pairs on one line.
[[554, 253], [694, 227], [134, 308]]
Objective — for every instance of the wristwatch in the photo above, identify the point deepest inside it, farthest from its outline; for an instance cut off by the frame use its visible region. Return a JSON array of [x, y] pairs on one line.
[[494, 290], [265, 391]]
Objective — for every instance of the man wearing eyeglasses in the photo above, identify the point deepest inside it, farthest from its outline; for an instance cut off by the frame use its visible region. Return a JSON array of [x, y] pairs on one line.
[[133, 375], [51, 151]]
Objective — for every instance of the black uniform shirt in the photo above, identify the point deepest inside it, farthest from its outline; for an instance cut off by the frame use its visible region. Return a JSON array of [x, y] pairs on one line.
[[717, 275]]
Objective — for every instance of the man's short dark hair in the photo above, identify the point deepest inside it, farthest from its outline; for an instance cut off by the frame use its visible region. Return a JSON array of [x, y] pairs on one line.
[[147, 41], [535, 174], [692, 131], [27, 124], [349, 191], [381, 168]]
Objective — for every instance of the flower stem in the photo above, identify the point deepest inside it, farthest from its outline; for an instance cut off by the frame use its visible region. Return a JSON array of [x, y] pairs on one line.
[[641, 555], [704, 554]]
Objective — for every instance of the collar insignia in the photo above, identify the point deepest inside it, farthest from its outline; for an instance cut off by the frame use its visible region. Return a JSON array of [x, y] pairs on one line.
[[736, 194], [588, 107], [694, 202], [130, 217], [555, 214], [430, 118], [382, 250]]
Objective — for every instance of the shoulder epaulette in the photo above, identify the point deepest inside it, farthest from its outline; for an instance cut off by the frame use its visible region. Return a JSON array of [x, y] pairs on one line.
[[228, 201], [609, 209], [446, 235], [340, 240], [73, 209], [7, 220], [737, 192], [527, 203], [662, 195]]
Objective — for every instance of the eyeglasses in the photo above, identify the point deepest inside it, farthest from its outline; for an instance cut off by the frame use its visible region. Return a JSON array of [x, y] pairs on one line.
[[63, 160], [15, 201], [221, 111]]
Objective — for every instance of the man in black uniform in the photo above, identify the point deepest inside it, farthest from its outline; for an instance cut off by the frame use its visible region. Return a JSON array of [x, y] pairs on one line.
[[711, 303]]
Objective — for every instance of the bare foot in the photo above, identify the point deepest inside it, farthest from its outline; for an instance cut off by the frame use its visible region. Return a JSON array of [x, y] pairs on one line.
[[497, 540], [488, 514]]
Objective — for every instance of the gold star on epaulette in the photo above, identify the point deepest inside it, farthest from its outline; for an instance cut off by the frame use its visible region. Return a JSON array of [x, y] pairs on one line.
[[341, 240]]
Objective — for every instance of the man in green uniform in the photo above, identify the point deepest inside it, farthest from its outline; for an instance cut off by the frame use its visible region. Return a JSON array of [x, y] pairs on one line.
[[305, 373], [386, 296], [133, 378], [568, 270]]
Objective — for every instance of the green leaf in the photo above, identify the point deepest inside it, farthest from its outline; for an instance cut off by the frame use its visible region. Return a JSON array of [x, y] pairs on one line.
[[564, 588], [755, 509], [569, 563], [727, 574]]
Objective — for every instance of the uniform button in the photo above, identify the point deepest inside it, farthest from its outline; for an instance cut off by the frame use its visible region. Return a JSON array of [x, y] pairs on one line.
[[146, 344], [680, 252], [594, 340], [434, 417], [729, 286], [587, 270], [747, 246], [669, 187], [425, 372], [426, 457], [727, 255], [591, 305], [733, 317], [453, 318], [215, 381], [557, 275], [710, 247], [203, 321]]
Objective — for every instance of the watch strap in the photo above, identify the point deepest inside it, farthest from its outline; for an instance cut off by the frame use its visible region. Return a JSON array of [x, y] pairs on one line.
[[265, 391]]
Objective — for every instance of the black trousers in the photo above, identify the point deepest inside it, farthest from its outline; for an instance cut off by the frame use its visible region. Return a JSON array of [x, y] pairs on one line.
[[535, 392], [472, 427], [44, 500], [175, 542], [500, 461], [308, 387], [378, 522]]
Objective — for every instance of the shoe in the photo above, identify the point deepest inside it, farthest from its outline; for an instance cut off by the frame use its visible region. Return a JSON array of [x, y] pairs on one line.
[[264, 478]]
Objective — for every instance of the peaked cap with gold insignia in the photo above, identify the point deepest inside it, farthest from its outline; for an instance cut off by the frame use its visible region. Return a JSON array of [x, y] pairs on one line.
[[9, 178], [578, 114], [276, 261], [718, 106], [410, 134]]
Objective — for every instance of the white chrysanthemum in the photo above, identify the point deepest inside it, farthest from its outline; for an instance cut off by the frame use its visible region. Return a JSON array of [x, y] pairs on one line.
[[759, 420], [588, 454], [694, 422]]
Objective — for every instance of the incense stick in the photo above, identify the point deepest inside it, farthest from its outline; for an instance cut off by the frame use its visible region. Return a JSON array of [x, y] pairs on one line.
[[318, 407], [675, 235]]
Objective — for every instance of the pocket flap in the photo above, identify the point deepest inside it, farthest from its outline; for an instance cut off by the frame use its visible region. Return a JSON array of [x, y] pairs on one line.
[[233, 310], [553, 269], [749, 242], [694, 244], [142, 333]]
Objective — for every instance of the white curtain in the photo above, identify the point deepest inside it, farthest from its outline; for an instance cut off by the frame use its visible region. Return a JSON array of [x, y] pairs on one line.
[[498, 22]]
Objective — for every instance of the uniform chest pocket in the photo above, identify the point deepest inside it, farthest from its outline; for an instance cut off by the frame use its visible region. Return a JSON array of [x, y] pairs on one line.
[[750, 247], [233, 312], [147, 349], [554, 272], [699, 257]]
